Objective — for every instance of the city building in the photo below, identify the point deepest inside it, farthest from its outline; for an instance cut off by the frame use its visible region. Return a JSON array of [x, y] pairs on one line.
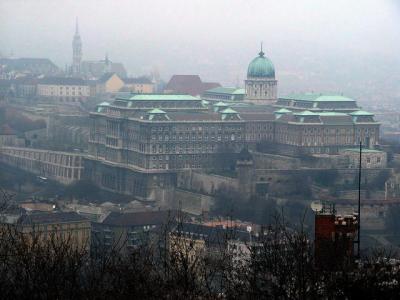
[[9, 137], [93, 69], [38, 206], [109, 83], [25, 86], [126, 231], [188, 84], [140, 85], [139, 143], [261, 85], [138, 136], [10, 67], [224, 94], [334, 237], [63, 89], [61, 226], [189, 241], [6, 89]]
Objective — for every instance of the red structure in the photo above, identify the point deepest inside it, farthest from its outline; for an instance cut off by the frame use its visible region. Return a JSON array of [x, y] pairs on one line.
[[334, 237]]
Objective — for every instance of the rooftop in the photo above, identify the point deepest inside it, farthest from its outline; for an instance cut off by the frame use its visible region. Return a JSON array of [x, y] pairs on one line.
[[220, 104], [318, 97], [364, 150], [189, 84], [282, 111], [226, 90], [160, 97], [306, 113], [62, 81], [51, 218], [105, 77], [138, 80], [361, 113], [139, 218], [156, 111], [229, 111]]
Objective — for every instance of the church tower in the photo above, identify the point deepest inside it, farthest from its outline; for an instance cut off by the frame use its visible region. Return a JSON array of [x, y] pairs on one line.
[[76, 51], [260, 85]]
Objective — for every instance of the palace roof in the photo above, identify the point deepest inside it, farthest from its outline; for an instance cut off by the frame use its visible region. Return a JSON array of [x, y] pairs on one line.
[[160, 97], [317, 97], [261, 66], [361, 113], [226, 90]]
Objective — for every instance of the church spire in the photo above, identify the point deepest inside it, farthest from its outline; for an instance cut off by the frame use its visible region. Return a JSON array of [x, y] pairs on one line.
[[76, 26], [76, 50]]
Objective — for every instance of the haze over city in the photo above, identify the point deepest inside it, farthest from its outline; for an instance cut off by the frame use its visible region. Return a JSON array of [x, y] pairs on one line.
[[322, 42]]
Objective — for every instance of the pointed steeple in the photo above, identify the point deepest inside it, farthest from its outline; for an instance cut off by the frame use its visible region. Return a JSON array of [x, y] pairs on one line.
[[76, 26], [76, 50], [261, 53]]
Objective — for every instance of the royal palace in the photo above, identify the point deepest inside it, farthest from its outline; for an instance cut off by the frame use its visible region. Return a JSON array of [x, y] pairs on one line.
[[139, 141]]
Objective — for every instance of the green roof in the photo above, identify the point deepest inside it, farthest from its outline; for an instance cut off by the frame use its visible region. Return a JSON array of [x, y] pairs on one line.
[[220, 104], [361, 113], [261, 66], [318, 97], [240, 104], [156, 111], [104, 103], [226, 90], [229, 111], [161, 97], [366, 150], [306, 113], [282, 111], [331, 114]]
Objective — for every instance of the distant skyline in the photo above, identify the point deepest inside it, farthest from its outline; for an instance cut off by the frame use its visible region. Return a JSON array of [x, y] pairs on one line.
[[215, 39]]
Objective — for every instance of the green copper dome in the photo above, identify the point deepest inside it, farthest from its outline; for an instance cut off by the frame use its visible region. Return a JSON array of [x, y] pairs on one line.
[[261, 66]]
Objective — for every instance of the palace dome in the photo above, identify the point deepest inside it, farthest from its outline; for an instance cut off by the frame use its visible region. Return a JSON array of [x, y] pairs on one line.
[[261, 66]]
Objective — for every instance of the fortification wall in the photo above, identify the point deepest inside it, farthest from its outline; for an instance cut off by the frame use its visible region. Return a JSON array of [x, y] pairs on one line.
[[205, 183]]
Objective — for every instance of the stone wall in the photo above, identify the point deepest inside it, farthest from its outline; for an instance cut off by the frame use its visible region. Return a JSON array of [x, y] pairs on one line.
[[205, 183], [192, 203], [274, 161], [273, 175]]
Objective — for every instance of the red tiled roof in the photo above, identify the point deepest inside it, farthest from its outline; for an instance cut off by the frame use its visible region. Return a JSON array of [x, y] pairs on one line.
[[189, 84]]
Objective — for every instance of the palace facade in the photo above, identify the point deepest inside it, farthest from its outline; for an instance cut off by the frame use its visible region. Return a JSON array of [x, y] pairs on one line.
[[141, 141]]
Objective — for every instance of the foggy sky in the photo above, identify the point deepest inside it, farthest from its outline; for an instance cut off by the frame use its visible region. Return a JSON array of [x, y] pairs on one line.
[[213, 38]]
